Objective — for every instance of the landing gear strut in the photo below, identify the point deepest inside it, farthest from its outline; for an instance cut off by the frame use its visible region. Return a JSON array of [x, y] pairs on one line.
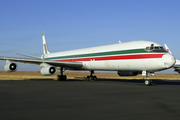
[[91, 77], [148, 82], [61, 77]]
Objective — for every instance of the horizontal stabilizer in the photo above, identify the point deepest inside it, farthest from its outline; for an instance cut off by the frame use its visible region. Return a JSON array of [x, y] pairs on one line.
[[28, 56]]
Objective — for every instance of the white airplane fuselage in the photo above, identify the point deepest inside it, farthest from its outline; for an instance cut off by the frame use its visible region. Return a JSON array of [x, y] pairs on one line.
[[128, 59], [129, 56]]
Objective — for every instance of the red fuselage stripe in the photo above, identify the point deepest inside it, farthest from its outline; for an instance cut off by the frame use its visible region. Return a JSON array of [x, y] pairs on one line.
[[122, 57]]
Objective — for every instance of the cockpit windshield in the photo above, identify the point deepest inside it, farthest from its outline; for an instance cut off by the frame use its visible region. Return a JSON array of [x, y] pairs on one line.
[[155, 48]]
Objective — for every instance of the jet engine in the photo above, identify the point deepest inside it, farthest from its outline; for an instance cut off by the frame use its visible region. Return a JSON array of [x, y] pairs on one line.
[[128, 73], [10, 67], [48, 70]]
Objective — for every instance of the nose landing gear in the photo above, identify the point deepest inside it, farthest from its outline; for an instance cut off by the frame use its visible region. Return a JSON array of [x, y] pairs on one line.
[[148, 82]]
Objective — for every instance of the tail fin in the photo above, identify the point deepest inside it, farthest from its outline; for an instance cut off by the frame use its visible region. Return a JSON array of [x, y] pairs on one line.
[[45, 48], [167, 49]]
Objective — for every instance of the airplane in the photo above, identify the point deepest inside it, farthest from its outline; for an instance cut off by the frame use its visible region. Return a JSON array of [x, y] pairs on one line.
[[128, 59], [177, 64]]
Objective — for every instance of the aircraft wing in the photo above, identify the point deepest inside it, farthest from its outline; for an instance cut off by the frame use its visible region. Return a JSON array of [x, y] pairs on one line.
[[75, 65]]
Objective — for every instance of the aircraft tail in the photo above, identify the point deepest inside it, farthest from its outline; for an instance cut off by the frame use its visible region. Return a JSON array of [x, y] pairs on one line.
[[167, 49], [45, 48]]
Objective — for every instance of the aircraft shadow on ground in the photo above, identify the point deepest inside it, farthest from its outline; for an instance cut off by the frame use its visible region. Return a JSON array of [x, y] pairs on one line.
[[155, 81], [41, 79], [69, 80]]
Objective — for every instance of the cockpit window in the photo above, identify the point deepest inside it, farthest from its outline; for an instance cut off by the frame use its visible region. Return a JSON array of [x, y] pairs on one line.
[[155, 49]]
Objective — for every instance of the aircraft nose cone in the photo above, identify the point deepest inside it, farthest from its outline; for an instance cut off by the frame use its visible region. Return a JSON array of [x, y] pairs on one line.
[[168, 60]]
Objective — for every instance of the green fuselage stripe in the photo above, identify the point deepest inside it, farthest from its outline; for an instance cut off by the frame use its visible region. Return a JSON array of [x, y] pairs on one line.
[[100, 54]]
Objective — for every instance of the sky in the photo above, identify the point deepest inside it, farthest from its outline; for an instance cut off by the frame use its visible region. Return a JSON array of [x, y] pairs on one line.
[[74, 24]]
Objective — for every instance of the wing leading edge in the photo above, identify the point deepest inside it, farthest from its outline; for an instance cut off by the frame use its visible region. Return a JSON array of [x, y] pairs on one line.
[[72, 65]]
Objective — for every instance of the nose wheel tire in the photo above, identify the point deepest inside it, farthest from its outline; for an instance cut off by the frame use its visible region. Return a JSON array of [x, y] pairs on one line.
[[148, 82]]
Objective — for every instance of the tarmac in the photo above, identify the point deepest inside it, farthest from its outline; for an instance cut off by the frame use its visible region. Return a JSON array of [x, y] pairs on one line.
[[87, 100]]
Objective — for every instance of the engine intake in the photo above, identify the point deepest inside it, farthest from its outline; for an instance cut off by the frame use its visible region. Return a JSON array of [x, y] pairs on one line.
[[10, 67]]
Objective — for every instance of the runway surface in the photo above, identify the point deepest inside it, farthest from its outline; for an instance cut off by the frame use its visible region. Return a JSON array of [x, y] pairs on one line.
[[85, 100]]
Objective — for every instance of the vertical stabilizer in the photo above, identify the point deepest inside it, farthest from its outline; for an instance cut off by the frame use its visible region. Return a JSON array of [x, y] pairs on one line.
[[45, 48]]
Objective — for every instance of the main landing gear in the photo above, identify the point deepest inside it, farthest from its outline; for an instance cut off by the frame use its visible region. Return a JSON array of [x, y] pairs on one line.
[[61, 77], [148, 82], [91, 77]]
